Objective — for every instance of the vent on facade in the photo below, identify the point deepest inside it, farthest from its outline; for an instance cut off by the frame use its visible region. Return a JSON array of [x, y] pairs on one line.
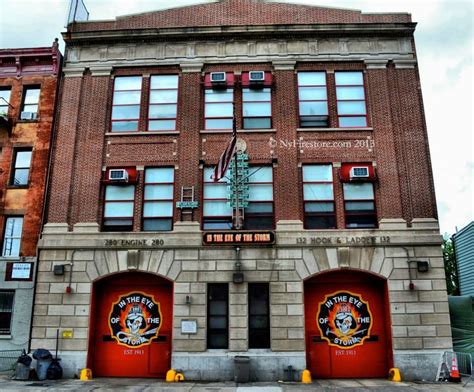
[[118, 175], [28, 115], [359, 172], [218, 78]]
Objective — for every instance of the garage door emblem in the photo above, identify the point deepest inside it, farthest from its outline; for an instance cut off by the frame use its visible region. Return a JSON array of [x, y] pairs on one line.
[[135, 319], [344, 319]]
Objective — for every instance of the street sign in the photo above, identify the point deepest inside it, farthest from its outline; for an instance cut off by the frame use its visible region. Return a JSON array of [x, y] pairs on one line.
[[187, 204]]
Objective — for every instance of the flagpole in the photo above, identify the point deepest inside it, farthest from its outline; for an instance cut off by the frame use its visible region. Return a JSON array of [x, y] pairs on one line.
[[237, 225]]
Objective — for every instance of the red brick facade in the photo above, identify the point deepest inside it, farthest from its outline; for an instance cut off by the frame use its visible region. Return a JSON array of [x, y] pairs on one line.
[[21, 68], [395, 120]]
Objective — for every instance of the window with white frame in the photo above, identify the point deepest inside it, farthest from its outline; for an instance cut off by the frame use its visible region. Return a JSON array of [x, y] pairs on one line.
[[12, 236], [163, 105], [6, 311], [350, 94], [217, 213], [4, 100], [158, 199], [259, 213], [257, 108], [21, 167], [359, 205], [313, 99], [119, 208], [218, 109], [29, 107], [318, 193], [126, 103]]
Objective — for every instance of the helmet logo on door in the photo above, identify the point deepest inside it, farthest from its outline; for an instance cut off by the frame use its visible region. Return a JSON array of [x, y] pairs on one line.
[[135, 319], [344, 319]]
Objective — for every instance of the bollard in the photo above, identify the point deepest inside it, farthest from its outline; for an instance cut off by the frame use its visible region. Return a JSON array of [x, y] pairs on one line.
[[86, 375], [170, 375], [306, 377], [394, 375]]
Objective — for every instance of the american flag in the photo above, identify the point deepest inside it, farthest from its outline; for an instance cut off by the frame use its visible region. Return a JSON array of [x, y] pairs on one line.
[[225, 159]]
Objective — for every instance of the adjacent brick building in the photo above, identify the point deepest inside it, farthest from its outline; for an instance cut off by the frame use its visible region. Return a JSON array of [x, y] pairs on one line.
[[338, 268], [28, 86]]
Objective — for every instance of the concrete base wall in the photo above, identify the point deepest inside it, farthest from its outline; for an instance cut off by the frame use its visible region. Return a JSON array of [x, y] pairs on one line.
[[213, 365], [418, 365]]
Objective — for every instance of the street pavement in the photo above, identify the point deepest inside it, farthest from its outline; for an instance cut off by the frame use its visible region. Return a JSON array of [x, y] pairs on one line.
[[149, 385]]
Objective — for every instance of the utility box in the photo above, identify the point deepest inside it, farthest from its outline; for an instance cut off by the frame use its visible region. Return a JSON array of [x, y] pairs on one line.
[[241, 369]]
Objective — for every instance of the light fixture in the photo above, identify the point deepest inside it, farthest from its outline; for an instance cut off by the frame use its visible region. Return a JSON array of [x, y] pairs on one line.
[[188, 300], [59, 269], [422, 265]]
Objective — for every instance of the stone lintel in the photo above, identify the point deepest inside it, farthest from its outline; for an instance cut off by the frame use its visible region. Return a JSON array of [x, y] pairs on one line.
[[86, 227], [284, 65], [73, 72], [101, 70], [376, 64], [55, 228], [191, 67], [404, 63], [393, 224]]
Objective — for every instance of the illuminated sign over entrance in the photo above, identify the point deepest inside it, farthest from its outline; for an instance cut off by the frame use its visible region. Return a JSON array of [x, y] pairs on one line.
[[344, 319], [135, 319], [239, 238]]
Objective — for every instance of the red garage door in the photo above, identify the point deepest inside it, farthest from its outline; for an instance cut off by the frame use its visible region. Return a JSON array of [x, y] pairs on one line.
[[347, 325], [131, 326]]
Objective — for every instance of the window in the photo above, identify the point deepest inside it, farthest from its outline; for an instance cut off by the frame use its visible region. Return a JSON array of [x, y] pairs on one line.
[[351, 108], [158, 199], [12, 236], [257, 108], [163, 103], [126, 103], [259, 320], [6, 311], [313, 105], [318, 193], [259, 213], [118, 209], [21, 167], [30, 103], [359, 205], [219, 109], [4, 101], [217, 213], [217, 315]]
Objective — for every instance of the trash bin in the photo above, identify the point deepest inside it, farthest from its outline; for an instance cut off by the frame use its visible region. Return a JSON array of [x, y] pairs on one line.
[[22, 368], [43, 360], [241, 369], [22, 372]]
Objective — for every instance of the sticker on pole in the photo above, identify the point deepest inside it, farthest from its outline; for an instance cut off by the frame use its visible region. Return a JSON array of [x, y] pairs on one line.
[[135, 319], [344, 319]]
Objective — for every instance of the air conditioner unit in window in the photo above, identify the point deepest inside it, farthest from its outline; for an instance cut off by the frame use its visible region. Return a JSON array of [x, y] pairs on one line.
[[28, 115], [218, 78], [359, 172], [119, 175], [256, 76]]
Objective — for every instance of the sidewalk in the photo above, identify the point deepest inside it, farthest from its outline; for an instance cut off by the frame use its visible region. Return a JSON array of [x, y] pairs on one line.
[[148, 385]]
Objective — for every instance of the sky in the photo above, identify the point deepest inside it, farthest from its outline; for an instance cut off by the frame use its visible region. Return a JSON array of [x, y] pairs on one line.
[[444, 42]]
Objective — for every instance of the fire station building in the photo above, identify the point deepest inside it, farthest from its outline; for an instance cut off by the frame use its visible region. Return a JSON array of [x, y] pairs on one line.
[[338, 266], [28, 86]]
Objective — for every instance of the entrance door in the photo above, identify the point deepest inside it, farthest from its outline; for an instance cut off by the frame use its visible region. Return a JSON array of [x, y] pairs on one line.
[[347, 333], [131, 326]]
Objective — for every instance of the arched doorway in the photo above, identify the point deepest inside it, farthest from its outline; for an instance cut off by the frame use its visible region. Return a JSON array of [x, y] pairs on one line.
[[130, 326], [347, 323]]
